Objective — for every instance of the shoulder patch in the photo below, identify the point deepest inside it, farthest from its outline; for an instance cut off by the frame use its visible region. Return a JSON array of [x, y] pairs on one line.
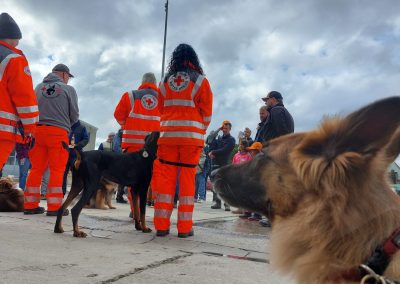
[[179, 82], [149, 102]]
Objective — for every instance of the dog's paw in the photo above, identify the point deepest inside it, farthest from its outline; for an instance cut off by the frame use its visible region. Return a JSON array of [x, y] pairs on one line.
[[80, 234], [146, 230], [112, 207], [138, 226], [58, 230]]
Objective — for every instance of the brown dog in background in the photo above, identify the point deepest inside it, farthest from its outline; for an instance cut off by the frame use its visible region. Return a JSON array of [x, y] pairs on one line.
[[328, 196], [103, 195], [11, 199]]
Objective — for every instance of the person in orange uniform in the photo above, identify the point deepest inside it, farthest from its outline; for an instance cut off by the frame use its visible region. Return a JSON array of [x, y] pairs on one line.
[[18, 105], [186, 109], [58, 106], [138, 114]]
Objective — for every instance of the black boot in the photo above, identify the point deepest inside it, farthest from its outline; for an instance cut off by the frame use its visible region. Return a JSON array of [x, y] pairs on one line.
[[216, 205]]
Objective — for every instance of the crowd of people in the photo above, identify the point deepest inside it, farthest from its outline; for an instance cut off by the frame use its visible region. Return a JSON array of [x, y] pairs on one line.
[[275, 120], [41, 122]]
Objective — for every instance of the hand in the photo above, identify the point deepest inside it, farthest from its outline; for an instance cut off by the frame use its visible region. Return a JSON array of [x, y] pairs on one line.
[[29, 139], [211, 155]]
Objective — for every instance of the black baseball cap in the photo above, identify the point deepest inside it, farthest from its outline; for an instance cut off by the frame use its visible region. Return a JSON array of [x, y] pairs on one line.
[[273, 94], [62, 68]]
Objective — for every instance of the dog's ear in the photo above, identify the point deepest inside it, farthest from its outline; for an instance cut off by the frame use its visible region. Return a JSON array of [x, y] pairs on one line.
[[369, 129], [341, 146]]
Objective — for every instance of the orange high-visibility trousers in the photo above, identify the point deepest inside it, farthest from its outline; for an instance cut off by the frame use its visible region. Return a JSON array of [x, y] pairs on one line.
[[6, 147], [183, 154], [47, 151]]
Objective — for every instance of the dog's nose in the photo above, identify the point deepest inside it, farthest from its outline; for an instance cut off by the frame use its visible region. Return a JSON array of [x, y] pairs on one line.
[[213, 174]]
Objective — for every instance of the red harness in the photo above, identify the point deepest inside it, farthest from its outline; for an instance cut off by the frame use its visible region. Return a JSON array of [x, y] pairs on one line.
[[378, 261]]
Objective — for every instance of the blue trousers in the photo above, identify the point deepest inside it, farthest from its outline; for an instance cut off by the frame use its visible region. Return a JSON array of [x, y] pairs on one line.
[[200, 186], [24, 166]]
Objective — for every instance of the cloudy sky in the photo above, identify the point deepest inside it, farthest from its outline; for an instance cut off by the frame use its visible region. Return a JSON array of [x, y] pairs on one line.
[[325, 56]]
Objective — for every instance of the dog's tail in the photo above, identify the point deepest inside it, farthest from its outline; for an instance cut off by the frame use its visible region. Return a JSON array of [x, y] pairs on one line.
[[78, 160]]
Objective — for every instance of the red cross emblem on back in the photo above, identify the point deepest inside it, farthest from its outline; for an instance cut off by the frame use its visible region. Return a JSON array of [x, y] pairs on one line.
[[149, 101], [179, 81]]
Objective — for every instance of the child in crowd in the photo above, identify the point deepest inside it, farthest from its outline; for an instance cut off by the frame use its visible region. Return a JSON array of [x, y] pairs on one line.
[[254, 150], [240, 157]]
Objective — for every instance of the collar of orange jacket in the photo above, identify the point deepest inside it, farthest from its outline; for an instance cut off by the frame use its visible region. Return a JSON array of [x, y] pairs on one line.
[[148, 86], [11, 47]]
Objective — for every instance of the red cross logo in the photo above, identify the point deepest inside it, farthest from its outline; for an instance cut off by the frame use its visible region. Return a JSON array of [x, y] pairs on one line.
[[149, 102], [43, 89], [178, 80]]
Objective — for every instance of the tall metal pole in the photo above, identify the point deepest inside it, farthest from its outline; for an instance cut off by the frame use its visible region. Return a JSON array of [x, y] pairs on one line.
[[165, 39]]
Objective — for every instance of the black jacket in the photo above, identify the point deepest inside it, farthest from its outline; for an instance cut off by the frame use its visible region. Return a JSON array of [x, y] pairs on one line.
[[222, 151], [279, 122], [260, 131]]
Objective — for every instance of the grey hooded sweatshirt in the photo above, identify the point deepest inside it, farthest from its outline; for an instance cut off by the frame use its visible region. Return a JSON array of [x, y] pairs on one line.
[[58, 103]]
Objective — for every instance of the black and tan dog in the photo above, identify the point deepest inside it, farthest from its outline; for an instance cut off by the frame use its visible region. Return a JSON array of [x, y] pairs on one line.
[[103, 195], [11, 199], [328, 196], [129, 169]]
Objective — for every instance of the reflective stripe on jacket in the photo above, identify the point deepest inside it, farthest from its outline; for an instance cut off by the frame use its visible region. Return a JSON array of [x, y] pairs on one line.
[[138, 113], [185, 107], [18, 108]]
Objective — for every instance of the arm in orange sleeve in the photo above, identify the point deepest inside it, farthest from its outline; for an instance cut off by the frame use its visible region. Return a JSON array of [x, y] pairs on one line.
[[123, 109], [20, 88], [160, 99], [204, 101]]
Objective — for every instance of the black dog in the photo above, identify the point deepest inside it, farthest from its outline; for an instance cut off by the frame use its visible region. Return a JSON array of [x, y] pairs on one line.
[[128, 169]]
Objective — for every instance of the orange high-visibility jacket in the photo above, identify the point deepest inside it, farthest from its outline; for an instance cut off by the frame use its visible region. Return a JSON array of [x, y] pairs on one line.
[[185, 107], [137, 112], [18, 104]]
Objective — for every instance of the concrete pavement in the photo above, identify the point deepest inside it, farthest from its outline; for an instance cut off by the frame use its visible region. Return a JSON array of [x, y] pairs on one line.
[[224, 249]]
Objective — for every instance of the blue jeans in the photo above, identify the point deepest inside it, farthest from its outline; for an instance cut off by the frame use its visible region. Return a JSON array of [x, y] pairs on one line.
[[200, 186], [24, 166]]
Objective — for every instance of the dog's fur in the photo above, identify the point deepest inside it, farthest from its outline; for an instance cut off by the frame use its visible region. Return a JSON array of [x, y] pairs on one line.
[[103, 195], [326, 193], [11, 199], [129, 169]]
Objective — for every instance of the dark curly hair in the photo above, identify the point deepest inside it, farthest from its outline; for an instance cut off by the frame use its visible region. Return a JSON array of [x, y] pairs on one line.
[[184, 58]]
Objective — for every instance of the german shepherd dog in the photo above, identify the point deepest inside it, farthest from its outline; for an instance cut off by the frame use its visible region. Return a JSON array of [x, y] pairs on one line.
[[11, 199], [129, 169], [103, 195], [327, 195]]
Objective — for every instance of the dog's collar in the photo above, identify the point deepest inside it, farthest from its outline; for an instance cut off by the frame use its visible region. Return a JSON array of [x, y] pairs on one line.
[[378, 261]]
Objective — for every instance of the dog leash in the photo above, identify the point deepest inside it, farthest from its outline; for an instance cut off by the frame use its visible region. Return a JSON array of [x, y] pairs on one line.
[[177, 164]]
